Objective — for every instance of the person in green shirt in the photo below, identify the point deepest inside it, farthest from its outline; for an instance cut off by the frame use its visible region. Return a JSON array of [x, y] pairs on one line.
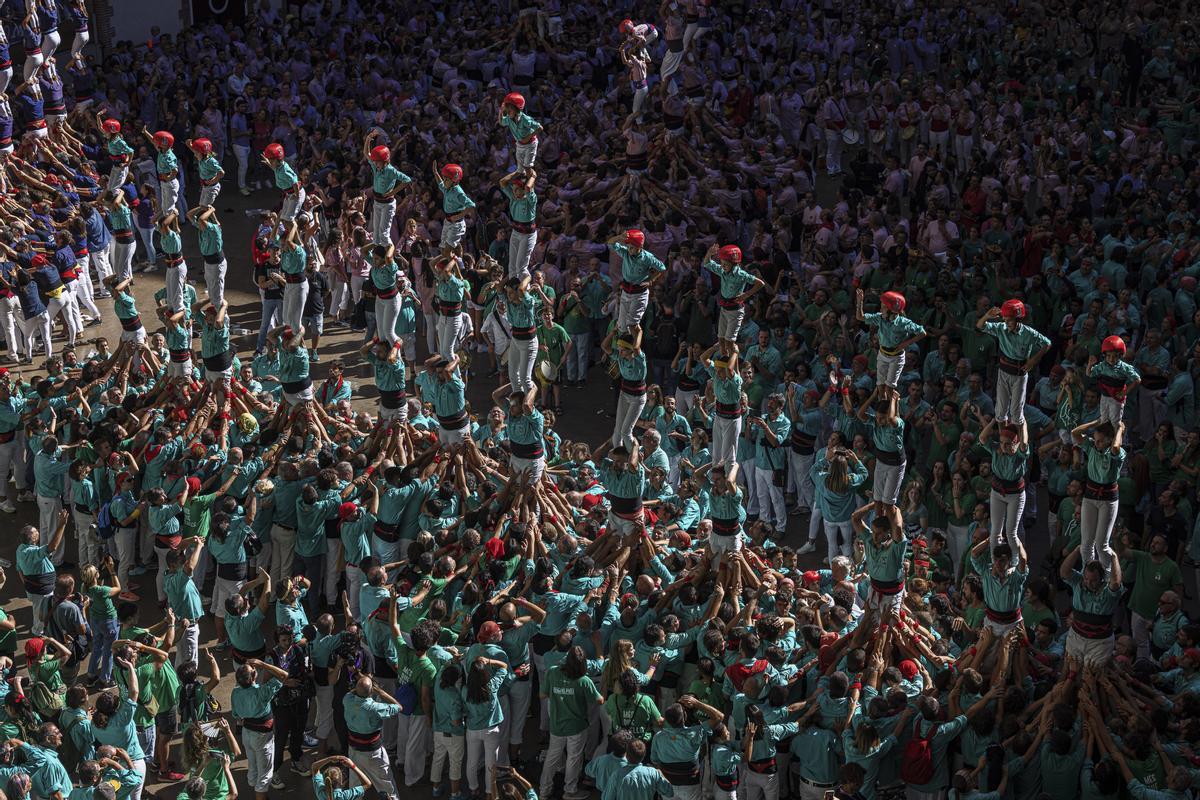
[[328, 783], [1104, 458], [1009, 462], [628, 708], [102, 618], [209, 762], [554, 348], [569, 692], [481, 697], [1153, 574], [415, 674], [183, 596]]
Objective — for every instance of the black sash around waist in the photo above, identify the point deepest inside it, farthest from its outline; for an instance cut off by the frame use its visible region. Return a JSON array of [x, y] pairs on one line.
[[132, 324], [392, 398], [1100, 491], [295, 387], [526, 451], [1091, 626], [893, 458], [624, 505], [218, 363], [1002, 486], [681, 773]]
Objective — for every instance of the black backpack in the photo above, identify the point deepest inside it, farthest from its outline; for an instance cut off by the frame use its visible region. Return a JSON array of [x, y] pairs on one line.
[[666, 337]]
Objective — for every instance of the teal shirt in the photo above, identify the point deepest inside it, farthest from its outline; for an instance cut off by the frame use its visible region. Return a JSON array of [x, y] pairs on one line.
[[885, 563], [48, 472], [285, 176], [120, 730], [365, 715], [310, 523], [245, 632], [355, 536], [1103, 467], [628, 484], [522, 126], [454, 199], [292, 261], [633, 369], [162, 520], [385, 179], [293, 614], [1120, 373], [1000, 594], [212, 240], [209, 168], [182, 595], [214, 339], [887, 438], [637, 269], [452, 288], [726, 391], [836, 506], [488, 714], [293, 365], [449, 398], [384, 275], [117, 146], [254, 702], [766, 455], [124, 305], [1009, 466], [1017, 345], [893, 331], [528, 428], [523, 312], [170, 241], [1103, 602], [166, 162], [389, 375], [120, 218], [521, 209], [678, 745], [733, 282]]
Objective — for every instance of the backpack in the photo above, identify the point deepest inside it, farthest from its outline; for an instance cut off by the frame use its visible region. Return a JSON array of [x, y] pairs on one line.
[[194, 705], [105, 528], [46, 701], [68, 753], [666, 337], [78, 644], [917, 766]]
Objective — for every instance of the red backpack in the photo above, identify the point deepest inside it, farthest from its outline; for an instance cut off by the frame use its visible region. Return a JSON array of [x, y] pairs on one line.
[[917, 767]]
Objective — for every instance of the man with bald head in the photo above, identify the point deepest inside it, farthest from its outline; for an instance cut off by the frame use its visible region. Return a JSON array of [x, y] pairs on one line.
[[519, 620], [365, 708]]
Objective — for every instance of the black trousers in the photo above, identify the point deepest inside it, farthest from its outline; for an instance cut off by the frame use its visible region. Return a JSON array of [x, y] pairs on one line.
[[290, 719]]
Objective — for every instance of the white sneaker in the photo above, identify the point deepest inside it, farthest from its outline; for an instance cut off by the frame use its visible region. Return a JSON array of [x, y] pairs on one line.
[[7, 507], [26, 497], [809, 547]]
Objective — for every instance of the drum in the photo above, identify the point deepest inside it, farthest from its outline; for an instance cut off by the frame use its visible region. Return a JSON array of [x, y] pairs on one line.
[[850, 136]]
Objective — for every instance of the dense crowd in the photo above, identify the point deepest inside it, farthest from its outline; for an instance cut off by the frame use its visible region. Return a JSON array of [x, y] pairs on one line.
[[866, 287]]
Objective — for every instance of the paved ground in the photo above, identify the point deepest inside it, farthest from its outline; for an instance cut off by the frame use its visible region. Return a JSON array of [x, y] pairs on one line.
[[585, 418]]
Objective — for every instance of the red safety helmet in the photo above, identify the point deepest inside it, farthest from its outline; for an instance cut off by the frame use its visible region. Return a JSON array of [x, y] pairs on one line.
[[381, 154], [635, 237], [111, 126], [452, 172], [1113, 344], [731, 252], [274, 151], [893, 301], [626, 26], [516, 100], [164, 139], [202, 146], [1012, 309]]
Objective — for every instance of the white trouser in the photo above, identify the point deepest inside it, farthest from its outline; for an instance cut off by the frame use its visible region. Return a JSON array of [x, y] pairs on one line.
[[729, 323], [1111, 410], [33, 62], [323, 727], [1141, 628], [888, 478], [629, 408], [241, 152], [888, 369], [125, 544], [139, 767], [759, 786], [387, 309], [833, 151], [535, 467], [939, 141], [85, 295], [294, 297], [179, 369], [631, 308], [448, 328], [40, 326], [526, 154], [5, 78], [283, 551], [40, 606], [168, 195], [10, 314], [639, 97], [683, 401], [354, 582], [1096, 520], [116, 176], [48, 511], [176, 280], [800, 477], [63, 304], [382, 214], [292, 202], [835, 546], [453, 233], [962, 152], [563, 750], [214, 279], [770, 498], [187, 643], [670, 65], [447, 748], [1010, 397], [521, 353], [1005, 516], [122, 258], [520, 250], [483, 748], [413, 733], [208, 194], [260, 758], [12, 459], [453, 437], [1092, 652], [957, 542], [885, 601], [400, 413], [375, 765], [745, 479], [520, 699], [333, 554], [726, 431], [692, 32]]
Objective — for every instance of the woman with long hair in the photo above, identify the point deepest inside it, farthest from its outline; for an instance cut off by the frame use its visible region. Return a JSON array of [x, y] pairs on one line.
[[484, 714], [834, 496], [102, 617], [204, 758], [330, 782]]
